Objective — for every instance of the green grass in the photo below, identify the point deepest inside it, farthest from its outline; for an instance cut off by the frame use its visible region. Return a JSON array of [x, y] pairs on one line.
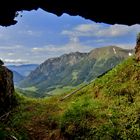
[[33, 88], [74, 75], [108, 109], [62, 90], [32, 92]]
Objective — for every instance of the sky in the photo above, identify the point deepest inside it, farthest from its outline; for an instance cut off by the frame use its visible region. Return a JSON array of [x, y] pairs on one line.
[[39, 35]]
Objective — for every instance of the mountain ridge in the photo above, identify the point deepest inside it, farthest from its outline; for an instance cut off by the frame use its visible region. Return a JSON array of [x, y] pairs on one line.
[[23, 69], [74, 68], [17, 77]]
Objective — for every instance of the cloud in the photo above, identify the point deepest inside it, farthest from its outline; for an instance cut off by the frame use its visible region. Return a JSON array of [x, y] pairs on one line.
[[11, 47], [87, 27], [19, 54], [30, 32], [10, 54], [117, 30], [100, 35], [15, 61], [55, 50], [15, 54], [102, 30], [47, 49]]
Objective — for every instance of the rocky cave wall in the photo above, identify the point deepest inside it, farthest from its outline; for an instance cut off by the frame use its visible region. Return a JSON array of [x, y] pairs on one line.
[[99, 11], [7, 99]]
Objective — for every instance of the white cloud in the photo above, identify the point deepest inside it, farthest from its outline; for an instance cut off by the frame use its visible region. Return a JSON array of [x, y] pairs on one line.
[[15, 61], [47, 48], [10, 54], [11, 47], [15, 54], [19, 54], [87, 27], [116, 30], [55, 50], [38, 55], [96, 30], [30, 32], [74, 39]]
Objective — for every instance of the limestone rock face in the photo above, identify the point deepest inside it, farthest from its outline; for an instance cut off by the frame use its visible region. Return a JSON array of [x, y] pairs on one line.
[[6, 89], [137, 48]]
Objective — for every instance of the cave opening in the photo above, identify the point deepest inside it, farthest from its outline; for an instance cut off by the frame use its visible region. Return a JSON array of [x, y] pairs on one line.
[[73, 52]]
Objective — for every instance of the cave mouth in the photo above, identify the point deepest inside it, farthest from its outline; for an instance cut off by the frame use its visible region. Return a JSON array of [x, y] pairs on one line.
[[110, 12], [39, 35]]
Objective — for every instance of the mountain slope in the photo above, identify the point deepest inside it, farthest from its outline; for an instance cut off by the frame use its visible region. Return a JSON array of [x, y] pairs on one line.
[[54, 71], [74, 68], [107, 109], [23, 70], [17, 77]]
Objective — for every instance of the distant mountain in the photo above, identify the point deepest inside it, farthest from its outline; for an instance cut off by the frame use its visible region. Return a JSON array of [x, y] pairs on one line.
[[23, 70], [74, 68], [17, 77]]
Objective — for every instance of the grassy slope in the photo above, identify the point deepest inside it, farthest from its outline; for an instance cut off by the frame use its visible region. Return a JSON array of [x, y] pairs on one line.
[[32, 92], [107, 109]]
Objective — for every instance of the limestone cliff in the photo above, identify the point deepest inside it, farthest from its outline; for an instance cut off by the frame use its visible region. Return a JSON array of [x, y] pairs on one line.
[[6, 89]]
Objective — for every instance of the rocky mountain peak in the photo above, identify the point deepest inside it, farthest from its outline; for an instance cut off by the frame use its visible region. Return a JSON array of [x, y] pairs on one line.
[[109, 51]]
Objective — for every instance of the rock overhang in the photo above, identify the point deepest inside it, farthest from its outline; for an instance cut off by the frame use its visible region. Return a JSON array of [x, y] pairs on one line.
[[105, 11]]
